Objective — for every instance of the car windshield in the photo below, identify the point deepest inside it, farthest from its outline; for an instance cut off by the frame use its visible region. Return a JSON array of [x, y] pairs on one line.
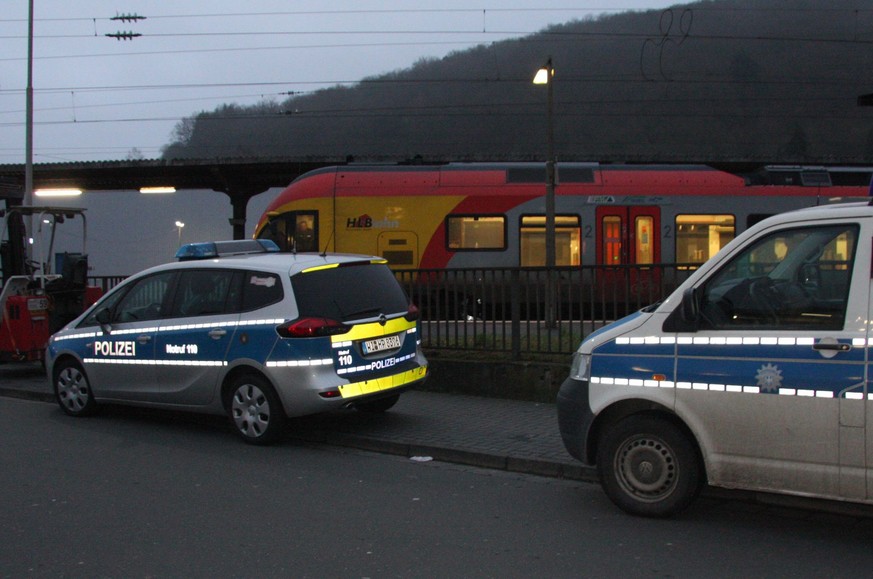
[[349, 292]]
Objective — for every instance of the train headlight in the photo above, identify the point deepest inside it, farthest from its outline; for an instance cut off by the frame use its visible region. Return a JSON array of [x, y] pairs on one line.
[[579, 368]]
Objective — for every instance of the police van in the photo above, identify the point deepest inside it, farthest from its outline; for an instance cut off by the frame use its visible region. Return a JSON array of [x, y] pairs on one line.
[[237, 328], [754, 374]]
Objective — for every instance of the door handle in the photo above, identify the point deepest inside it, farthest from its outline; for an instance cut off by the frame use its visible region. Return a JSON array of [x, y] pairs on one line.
[[832, 347], [143, 339], [217, 333]]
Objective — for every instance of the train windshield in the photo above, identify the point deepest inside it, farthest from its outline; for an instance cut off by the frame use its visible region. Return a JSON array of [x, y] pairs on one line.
[[293, 231]]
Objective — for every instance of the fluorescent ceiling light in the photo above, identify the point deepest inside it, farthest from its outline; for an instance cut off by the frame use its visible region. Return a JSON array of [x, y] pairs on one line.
[[57, 192], [149, 190]]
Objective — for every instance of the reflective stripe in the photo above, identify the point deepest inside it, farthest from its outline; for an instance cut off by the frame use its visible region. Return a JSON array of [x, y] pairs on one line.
[[800, 392], [725, 341], [299, 363], [135, 362], [176, 328], [375, 365]]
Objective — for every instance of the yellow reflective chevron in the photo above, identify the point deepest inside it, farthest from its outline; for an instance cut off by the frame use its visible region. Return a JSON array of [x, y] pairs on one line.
[[384, 383], [373, 330]]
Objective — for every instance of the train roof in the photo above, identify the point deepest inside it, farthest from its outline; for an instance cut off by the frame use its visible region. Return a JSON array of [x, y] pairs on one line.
[[579, 172]]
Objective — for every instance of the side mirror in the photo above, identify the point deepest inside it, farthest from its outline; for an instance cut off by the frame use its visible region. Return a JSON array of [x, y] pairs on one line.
[[686, 316], [690, 306], [103, 317]]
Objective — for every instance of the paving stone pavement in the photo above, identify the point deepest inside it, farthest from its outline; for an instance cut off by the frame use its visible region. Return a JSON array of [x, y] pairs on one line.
[[493, 433]]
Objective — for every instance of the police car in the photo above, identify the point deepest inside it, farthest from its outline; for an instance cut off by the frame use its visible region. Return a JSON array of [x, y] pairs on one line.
[[754, 374], [238, 328]]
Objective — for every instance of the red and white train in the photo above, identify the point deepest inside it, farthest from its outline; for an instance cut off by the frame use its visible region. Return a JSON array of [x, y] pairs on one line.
[[493, 215]]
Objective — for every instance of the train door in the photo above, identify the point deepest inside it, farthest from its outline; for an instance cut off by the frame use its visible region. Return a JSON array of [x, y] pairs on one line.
[[628, 240], [400, 248]]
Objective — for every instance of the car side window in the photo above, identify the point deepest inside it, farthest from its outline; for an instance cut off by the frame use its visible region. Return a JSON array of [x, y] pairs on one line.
[[145, 300], [202, 292], [260, 289], [791, 279]]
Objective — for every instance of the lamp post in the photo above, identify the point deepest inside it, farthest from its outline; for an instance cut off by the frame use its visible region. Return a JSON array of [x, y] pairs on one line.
[[179, 226], [28, 125], [546, 76]]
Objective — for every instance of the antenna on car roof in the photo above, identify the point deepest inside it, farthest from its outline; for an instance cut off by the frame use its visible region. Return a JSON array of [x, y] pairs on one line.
[[324, 253]]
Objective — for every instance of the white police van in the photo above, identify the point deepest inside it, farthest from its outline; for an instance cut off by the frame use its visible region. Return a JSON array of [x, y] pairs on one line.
[[754, 374], [238, 328]]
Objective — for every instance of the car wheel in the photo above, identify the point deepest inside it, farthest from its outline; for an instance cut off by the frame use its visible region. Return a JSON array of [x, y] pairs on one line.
[[72, 389], [649, 467], [379, 405], [255, 410]]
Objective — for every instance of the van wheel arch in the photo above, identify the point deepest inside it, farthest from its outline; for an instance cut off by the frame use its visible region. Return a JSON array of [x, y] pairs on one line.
[[621, 410]]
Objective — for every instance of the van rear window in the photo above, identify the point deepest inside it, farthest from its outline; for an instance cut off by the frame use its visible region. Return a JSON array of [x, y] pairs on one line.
[[349, 292]]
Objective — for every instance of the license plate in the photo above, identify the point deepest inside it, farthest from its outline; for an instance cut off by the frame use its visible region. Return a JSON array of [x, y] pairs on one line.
[[381, 344]]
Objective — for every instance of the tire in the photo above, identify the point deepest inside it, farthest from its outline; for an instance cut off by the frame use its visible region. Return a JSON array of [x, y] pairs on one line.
[[73, 390], [379, 405], [254, 410], [649, 467]]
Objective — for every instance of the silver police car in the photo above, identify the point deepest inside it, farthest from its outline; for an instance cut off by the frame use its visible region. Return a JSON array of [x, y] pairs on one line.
[[238, 328]]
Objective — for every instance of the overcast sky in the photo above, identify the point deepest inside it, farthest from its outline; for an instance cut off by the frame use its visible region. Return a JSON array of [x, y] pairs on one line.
[[98, 98]]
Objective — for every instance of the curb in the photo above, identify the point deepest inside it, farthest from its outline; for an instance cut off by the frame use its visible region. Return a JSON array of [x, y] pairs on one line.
[[539, 467], [533, 466]]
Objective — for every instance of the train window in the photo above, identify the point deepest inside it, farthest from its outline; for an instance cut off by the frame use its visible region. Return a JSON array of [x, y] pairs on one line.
[[568, 238], [475, 232], [699, 237], [293, 231], [645, 253]]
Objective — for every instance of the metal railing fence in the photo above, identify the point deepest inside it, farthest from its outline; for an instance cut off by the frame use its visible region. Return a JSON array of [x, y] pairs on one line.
[[503, 309]]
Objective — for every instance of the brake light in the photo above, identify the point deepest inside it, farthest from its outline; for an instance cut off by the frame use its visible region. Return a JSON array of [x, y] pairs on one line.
[[412, 313], [311, 328]]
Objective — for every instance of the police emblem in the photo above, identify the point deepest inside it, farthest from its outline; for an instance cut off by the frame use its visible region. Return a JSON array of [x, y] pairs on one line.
[[769, 378]]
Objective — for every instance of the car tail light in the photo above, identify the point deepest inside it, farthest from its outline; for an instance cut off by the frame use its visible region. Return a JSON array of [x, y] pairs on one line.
[[311, 328], [412, 313]]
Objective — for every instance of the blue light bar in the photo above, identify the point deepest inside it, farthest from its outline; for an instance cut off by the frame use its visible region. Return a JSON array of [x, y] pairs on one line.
[[212, 249]]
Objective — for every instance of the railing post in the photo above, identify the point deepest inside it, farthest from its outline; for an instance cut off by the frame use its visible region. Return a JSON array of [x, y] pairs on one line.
[[515, 312]]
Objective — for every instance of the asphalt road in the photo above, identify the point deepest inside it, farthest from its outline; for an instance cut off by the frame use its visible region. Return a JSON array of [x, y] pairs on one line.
[[144, 494]]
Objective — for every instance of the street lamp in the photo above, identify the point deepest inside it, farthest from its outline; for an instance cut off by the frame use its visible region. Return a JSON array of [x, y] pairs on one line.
[[546, 76], [180, 225]]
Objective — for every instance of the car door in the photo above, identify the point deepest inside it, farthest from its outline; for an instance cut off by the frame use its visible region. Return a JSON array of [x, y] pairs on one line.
[[120, 359], [192, 341], [774, 379]]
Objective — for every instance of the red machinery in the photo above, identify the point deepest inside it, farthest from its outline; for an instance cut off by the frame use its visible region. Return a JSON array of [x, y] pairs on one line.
[[35, 302]]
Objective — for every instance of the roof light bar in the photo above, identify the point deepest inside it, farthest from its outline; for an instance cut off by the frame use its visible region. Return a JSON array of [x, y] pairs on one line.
[[213, 249]]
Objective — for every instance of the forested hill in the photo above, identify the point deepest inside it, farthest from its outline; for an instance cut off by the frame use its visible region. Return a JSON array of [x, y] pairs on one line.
[[726, 80]]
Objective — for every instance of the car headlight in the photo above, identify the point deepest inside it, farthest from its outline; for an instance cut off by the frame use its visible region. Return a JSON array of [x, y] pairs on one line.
[[580, 366]]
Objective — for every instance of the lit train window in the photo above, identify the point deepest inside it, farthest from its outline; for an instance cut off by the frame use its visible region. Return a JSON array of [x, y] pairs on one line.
[[293, 231], [699, 237], [475, 232], [533, 240]]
